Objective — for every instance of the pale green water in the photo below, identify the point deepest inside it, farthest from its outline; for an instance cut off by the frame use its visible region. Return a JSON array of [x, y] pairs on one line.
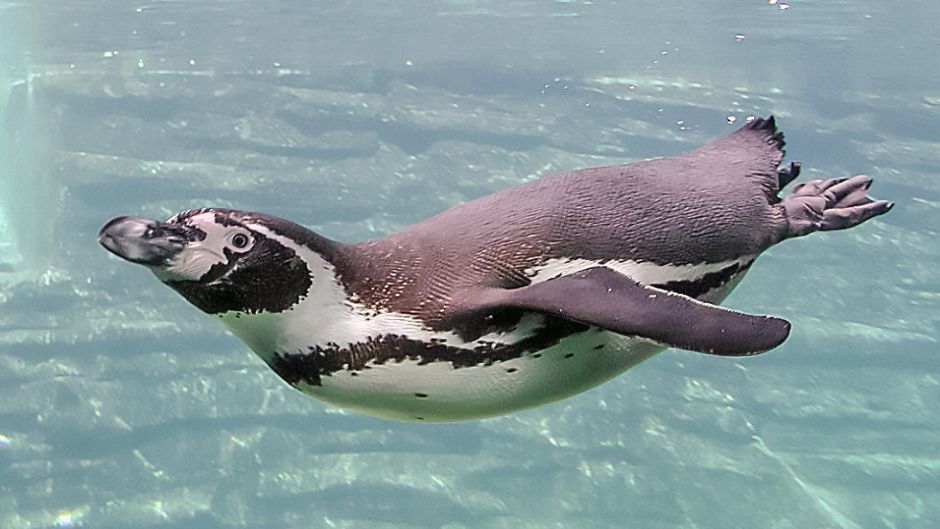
[[121, 406]]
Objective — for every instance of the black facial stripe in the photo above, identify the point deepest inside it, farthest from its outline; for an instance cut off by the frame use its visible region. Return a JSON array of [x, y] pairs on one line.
[[706, 283], [217, 270], [184, 215], [225, 219], [164, 230], [322, 361], [270, 278]]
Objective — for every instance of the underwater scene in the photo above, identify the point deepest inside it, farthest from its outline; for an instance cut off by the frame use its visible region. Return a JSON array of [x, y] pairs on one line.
[[123, 406]]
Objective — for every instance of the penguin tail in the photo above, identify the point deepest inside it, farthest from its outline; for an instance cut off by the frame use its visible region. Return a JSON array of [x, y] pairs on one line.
[[766, 128], [761, 144]]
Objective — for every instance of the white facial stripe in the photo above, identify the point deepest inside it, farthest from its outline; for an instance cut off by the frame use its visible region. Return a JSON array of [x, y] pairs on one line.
[[199, 257], [643, 272]]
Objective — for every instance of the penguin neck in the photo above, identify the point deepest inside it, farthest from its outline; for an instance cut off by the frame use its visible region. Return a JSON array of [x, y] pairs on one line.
[[329, 312], [297, 237]]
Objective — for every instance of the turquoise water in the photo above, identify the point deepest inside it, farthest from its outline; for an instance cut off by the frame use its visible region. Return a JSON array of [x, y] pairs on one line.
[[122, 406]]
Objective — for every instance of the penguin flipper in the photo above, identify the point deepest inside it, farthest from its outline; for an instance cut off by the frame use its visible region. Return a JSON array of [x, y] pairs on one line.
[[604, 298]]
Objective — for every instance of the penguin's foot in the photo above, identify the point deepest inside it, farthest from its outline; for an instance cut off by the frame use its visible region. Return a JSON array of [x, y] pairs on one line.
[[834, 204]]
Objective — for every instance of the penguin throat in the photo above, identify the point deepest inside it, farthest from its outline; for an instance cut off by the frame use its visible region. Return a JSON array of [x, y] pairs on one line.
[[312, 307]]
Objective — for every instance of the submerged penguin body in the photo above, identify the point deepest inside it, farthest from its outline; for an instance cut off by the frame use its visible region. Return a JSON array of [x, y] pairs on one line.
[[519, 298]]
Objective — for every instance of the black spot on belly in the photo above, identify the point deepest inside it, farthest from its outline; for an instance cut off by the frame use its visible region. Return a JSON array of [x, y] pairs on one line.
[[598, 346], [512, 370], [569, 355], [421, 395], [324, 360], [706, 283]]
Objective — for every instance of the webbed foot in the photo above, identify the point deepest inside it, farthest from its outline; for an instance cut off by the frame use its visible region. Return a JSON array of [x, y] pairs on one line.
[[834, 204]]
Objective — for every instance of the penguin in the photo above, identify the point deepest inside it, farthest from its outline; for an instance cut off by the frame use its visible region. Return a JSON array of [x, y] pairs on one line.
[[513, 300]]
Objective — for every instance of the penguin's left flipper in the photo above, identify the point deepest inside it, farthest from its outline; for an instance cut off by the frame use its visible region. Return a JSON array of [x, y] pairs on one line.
[[604, 298]]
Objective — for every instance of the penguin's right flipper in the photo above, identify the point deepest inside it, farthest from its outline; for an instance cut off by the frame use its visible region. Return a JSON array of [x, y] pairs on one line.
[[834, 204], [607, 299]]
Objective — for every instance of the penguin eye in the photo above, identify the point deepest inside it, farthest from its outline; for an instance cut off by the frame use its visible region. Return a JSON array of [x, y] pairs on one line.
[[240, 240]]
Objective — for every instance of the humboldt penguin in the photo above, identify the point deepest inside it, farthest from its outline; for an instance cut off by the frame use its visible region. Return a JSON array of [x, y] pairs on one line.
[[519, 298]]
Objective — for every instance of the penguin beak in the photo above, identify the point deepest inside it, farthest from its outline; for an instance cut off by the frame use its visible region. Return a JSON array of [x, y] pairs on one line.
[[142, 241]]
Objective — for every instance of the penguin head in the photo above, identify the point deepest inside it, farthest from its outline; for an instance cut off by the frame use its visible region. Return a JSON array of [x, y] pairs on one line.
[[220, 260]]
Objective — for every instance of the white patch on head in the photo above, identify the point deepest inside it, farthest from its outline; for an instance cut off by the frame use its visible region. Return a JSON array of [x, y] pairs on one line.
[[198, 257], [643, 272]]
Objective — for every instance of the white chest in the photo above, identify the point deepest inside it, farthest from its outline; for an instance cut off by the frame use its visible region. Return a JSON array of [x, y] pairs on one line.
[[412, 391], [414, 388]]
